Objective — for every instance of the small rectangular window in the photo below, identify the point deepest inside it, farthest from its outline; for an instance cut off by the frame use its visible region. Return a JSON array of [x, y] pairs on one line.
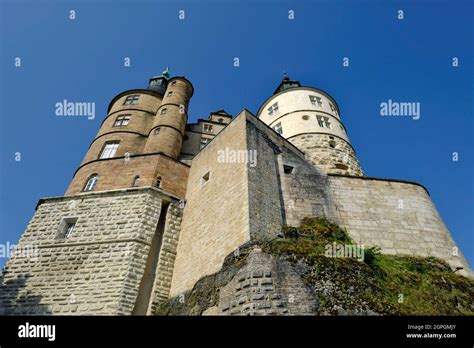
[[131, 100], [109, 149], [208, 128], [287, 169], [205, 179], [315, 100], [333, 109], [273, 108], [278, 128], [324, 122], [122, 120], [67, 227]]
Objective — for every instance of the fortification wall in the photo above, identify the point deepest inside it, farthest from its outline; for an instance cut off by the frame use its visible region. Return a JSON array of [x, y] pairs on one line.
[[399, 217], [216, 215], [99, 267]]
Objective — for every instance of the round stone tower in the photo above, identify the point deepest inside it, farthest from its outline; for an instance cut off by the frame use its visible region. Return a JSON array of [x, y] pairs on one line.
[[167, 132], [309, 118], [139, 141]]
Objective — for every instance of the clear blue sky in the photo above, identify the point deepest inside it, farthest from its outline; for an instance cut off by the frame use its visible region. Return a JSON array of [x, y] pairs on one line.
[[82, 60]]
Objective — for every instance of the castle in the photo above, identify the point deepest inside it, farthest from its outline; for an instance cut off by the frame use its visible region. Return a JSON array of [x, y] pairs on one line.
[[158, 203]]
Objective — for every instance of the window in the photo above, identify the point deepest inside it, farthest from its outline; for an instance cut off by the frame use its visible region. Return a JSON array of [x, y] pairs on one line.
[[163, 111], [315, 100], [69, 228], [332, 143], [131, 100], [208, 128], [109, 149], [273, 108], [341, 166], [278, 128], [156, 131], [170, 94], [158, 182], [91, 183], [287, 169], [333, 109], [66, 227], [186, 137], [173, 83], [324, 122], [305, 117], [220, 120], [136, 181], [204, 142], [205, 179], [122, 120]]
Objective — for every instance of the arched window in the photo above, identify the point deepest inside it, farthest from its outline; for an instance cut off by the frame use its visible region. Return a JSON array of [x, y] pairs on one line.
[[91, 182], [158, 182], [220, 120], [136, 181]]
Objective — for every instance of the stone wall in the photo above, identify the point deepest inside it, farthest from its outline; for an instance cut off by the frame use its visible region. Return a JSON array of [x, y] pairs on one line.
[[216, 215], [116, 173], [241, 201], [98, 268], [266, 286], [265, 203], [167, 257], [329, 153], [397, 216]]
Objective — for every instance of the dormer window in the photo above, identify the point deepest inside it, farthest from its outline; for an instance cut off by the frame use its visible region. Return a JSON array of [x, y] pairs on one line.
[[122, 120], [208, 128], [131, 99], [273, 108]]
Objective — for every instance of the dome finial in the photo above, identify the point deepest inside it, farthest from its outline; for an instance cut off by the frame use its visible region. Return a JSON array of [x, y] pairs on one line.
[[285, 76]]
